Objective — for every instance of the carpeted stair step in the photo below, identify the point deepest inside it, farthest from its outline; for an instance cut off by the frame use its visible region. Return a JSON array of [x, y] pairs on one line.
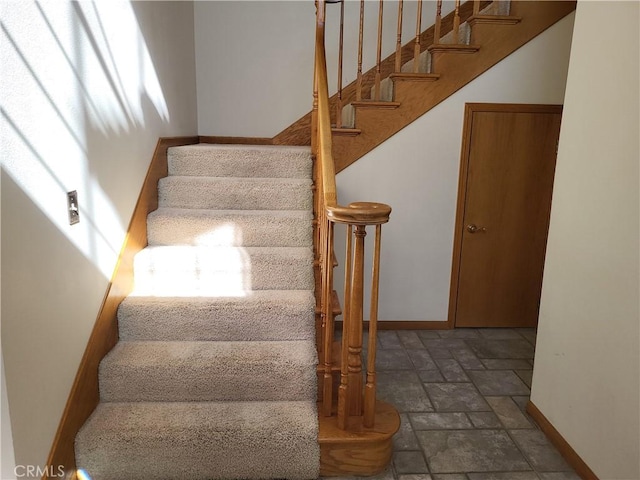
[[424, 63], [200, 441], [497, 8], [258, 315], [464, 35], [174, 226], [240, 161], [221, 271], [230, 193], [209, 371]]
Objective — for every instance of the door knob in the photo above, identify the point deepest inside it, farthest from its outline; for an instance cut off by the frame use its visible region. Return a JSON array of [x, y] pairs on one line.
[[472, 228]]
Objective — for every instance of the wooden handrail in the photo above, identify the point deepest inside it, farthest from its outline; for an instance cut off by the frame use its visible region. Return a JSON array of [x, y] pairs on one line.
[[354, 399]]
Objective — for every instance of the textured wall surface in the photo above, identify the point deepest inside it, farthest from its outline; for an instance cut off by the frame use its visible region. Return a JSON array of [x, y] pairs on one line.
[[86, 90], [587, 367]]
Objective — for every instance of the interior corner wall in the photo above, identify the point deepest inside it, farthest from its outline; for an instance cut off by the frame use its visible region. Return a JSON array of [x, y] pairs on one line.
[[586, 378], [254, 65], [86, 91], [416, 173]]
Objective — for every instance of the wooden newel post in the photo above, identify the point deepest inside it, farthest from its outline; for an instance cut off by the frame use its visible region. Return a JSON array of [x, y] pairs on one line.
[[354, 398]]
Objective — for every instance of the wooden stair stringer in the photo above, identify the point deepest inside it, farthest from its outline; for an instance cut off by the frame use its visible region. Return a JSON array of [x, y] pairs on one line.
[[417, 97]]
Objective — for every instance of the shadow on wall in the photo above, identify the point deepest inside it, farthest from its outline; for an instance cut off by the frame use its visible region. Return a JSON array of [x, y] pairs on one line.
[[77, 77], [82, 106]]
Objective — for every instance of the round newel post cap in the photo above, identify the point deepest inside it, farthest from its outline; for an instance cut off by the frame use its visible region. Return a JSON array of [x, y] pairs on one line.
[[360, 213]]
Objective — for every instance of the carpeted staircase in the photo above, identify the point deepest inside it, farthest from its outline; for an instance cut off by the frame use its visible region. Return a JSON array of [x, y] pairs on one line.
[[214, 376]]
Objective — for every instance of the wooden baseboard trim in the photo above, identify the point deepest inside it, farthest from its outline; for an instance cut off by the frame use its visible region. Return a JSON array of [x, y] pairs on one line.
[[84, 396], [558, 441], [404, 325], [236, 140]]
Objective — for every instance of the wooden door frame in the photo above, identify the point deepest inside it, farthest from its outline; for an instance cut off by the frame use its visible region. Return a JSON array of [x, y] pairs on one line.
[[469, 110]]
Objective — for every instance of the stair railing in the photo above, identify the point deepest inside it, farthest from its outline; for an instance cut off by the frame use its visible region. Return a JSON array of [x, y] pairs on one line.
[[355, 401], [353, 395], [368, 85]]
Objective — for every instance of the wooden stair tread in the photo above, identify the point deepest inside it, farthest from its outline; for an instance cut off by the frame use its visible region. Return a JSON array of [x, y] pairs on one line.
[[335, 301], [336, 350], [453, 48], [316, 262], [494, 19], [376, 105], [346, 132], [418, 77]]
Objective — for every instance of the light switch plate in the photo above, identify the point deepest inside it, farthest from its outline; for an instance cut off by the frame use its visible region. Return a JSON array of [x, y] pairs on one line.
[[72, 205]]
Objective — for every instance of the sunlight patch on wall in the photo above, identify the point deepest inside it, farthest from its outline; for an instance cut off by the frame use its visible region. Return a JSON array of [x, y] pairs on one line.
[[75, 75]]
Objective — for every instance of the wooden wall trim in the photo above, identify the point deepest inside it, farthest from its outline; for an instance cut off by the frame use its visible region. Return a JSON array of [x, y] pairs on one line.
[[236, 140], [84, 396], [404, 325], [558, 441]]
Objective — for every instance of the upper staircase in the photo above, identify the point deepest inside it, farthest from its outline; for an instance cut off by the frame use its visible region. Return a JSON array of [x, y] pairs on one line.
[[424, 71]]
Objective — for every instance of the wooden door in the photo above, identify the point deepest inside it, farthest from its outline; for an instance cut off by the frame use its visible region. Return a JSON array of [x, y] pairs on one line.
[[504, 201]]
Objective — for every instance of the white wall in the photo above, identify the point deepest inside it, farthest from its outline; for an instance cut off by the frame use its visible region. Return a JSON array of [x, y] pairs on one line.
[[87, 89], [416, 172], [587, 369], [255, 59]]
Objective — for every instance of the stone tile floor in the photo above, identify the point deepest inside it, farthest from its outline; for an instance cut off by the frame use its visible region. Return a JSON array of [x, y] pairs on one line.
[[462, 395]]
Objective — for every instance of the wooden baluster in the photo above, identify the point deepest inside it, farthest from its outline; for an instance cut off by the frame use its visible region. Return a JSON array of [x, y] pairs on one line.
[[343, 392], [398, 65], [327, 289], [360, 34], [416, 45], [354, 360], [339, 102], [438, 25], [456, 24], [370, 387], [476, 7], [376, 95]]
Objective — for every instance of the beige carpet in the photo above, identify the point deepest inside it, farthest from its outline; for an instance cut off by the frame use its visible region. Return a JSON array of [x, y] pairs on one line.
[[214, 376]]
